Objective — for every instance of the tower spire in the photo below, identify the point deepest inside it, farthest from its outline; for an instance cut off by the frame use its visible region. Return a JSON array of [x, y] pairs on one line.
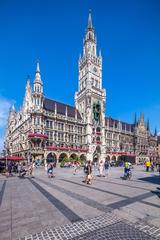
[[155, 132], [37, 68], [135, 119], [90, 20], [38, 73], [148, 127]]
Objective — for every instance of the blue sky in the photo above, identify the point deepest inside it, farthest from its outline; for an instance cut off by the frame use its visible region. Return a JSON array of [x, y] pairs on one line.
[[128, 34]]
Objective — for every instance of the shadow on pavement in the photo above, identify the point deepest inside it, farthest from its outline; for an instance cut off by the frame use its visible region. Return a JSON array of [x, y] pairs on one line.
[[152, 179]]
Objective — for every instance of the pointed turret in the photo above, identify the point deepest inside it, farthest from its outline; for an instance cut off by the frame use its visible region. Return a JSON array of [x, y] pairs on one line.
[[38, 88], [148, 127], [38, 84], [155, 132], [38, 74], [89, 42], [141, 120], [12, 109], [135, 119], [90, 20], [27, 101]]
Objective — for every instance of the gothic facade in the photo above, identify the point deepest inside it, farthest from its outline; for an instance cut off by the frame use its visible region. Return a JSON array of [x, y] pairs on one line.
[[46, 129]]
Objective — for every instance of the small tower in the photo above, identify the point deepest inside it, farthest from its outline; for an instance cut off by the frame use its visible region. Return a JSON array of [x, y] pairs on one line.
[[155, 132], [27, 101], [141, 119], [38, 89], [135, 119], [148, 125]]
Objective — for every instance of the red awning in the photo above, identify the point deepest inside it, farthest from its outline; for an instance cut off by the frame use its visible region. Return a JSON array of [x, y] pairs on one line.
[[12, 158], [30, 135]]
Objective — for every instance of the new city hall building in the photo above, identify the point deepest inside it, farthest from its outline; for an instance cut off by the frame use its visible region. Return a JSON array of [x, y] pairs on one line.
[[50, 130]]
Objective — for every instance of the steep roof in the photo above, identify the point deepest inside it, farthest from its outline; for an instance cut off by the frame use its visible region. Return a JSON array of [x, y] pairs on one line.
[[49, 105]]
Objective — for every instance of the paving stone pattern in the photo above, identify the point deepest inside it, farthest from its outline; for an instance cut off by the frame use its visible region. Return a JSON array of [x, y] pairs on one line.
[[65, 208], [103, 227]]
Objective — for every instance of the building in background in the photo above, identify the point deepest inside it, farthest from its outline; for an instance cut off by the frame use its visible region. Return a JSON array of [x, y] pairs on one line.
[[46, 129]]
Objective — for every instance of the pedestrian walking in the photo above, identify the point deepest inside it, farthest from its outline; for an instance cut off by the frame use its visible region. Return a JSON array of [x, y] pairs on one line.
[[101, 168], [19, 169], [88, 172], [106, 166], [50, 170], [10, 169]]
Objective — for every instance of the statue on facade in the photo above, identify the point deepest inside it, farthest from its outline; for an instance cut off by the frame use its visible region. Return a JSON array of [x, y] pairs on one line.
[[96, 112]]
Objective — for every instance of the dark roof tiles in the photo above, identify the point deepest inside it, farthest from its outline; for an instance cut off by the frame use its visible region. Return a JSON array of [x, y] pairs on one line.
[[49, 105]]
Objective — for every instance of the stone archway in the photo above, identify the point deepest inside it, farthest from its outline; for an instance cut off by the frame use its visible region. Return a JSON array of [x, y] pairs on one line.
[[95, 157], [73, 156], [120, 160], [62, 156], [113, 158], [51, 157], [107, 158], [83, 157]]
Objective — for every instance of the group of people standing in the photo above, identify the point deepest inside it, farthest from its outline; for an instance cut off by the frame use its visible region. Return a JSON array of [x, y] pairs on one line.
[[151, 165], [103, 169], [21, 169]]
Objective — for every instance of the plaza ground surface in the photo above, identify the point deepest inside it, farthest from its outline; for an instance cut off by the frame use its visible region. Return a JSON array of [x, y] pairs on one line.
[[66, 208]]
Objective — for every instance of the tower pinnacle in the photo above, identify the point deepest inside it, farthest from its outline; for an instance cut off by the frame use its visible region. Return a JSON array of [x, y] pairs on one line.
[[37, 68], [89, 20], [38, 73]]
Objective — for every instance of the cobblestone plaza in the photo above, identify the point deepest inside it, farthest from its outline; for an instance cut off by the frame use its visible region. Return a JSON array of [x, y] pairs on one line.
[[65, 208]]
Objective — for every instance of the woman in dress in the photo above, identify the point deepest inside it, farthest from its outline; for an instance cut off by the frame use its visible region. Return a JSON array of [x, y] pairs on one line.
[[101, 168]]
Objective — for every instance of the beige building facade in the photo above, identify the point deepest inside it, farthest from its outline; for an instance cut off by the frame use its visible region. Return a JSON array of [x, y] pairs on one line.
[[50, 130]]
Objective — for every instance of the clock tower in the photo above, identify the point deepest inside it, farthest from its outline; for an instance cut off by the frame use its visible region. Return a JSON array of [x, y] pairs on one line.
[[90, 99]]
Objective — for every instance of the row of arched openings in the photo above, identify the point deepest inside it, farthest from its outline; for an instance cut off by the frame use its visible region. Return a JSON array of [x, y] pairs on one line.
[[51, 157]]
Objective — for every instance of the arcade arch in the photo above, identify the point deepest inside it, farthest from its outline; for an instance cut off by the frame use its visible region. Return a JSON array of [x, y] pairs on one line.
[[62, 156], [83, 157], [73, 156], [113, 158], [51, 157]]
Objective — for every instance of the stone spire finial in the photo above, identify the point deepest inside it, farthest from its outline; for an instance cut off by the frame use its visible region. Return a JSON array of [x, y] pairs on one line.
[[141, 120], [155, 132], [135, 119], [28, 82], [89, 19], [38, 73], [148, 127], [12, 109], [37, 68]]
